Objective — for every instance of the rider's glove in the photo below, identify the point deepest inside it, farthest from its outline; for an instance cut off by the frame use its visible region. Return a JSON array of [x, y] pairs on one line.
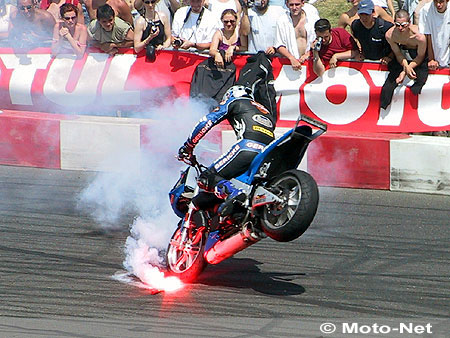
[[185, 152]]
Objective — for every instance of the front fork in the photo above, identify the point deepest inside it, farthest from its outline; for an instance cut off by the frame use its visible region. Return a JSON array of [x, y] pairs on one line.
[[187, 224]]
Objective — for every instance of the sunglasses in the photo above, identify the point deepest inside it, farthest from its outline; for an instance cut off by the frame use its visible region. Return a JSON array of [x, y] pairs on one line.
[[229, 21], [69, 18], [401, 24], [150, 2], [26, 7]]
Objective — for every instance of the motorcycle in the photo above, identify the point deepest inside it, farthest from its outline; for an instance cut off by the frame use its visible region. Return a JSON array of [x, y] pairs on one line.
[[281, 202]]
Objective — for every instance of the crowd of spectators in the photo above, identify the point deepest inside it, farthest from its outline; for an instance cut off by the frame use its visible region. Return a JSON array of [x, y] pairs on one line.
[[410, 36]]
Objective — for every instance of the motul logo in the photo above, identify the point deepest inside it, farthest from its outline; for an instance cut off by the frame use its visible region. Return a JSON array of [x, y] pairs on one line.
[[68, 82]]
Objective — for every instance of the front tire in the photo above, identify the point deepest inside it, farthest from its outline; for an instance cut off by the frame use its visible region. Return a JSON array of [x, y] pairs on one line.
[[288, 220], [185, 259]]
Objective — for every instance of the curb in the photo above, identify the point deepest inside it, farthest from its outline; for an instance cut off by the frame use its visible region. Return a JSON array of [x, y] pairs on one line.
[[351, 160]]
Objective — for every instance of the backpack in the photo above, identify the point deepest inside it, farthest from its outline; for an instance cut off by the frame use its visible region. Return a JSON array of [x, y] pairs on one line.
[[257, 74]]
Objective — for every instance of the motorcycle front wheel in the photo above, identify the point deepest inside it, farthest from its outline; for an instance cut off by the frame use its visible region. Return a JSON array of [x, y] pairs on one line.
[[289, 219], [185, 258]]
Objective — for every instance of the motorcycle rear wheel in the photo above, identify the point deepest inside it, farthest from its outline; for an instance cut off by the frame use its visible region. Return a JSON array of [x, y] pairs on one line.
[[288, 220], [185, 260]]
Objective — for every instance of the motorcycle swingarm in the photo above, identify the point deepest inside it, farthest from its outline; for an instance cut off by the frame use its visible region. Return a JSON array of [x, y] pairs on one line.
[[262, 197]]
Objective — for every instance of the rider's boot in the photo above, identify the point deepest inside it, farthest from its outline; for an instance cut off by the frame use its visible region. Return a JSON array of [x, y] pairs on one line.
[[227, 191]]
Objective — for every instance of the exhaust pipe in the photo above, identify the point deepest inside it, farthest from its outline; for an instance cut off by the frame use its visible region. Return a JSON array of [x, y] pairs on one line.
[[230, 246]]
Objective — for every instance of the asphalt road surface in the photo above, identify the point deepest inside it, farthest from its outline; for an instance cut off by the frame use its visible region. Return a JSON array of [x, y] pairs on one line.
[[373, 263]]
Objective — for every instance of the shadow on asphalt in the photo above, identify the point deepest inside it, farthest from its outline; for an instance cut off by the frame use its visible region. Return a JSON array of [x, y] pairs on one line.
[[244, 273]]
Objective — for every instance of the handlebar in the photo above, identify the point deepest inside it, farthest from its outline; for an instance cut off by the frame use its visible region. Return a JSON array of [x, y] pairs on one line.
[[192, 161]]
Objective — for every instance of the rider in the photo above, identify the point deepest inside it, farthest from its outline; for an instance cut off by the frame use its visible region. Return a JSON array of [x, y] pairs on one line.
[[254, 127]]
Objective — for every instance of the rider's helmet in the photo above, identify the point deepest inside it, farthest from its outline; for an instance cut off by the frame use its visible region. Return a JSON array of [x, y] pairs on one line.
[[238, 91]]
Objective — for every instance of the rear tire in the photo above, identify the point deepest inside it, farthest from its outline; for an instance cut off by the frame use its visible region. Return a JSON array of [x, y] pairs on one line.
[[185, 260], [287, 221]]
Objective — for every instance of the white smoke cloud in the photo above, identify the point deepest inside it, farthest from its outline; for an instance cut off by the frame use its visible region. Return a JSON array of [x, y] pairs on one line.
[[140, 184]]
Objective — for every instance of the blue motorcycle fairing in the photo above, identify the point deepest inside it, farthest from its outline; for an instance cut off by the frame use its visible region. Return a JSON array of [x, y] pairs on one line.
[[177, 190], [248, 176], [213, 238]]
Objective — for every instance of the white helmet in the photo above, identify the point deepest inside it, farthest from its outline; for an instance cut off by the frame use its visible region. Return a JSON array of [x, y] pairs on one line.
[[238, 91]]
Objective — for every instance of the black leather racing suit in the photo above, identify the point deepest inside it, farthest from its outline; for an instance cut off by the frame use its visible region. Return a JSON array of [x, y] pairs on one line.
[[254, 127]]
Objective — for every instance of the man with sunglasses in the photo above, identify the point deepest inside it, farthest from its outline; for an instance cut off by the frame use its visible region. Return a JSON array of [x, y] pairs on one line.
[[370, 31], [409, 47], [32, 27], [194, 26]]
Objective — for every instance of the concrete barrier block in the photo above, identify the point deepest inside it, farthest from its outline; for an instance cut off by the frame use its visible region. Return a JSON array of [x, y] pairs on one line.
[[30, 140], [98, 145], [421, 164], [351, 160]]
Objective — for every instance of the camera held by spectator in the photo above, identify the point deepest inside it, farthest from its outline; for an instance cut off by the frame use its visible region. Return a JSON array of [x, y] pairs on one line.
[[153, 27], [177, 42], [252, 3], [318, 44]]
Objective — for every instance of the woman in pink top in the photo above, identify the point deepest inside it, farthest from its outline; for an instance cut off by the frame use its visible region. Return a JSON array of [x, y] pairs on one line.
[[227, 39]]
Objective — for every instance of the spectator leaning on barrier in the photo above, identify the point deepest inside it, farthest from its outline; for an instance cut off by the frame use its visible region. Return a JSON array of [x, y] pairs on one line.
[[259, 23], [31, 26], [227, 39], [109, 32], [68, 34], [348, 17], [409, 47], [370, 32], [193, 26], [152, 31], [295, 32], [434, 22], [331, 45]]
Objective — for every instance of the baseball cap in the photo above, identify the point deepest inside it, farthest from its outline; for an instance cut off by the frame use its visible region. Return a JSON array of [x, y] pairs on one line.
[[365, 7]]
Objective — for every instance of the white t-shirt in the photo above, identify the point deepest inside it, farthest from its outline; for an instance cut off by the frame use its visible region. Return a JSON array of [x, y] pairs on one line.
[[381, 3], [285, 32], [438, 26], [263, 28], [216, 7], [201, 33]]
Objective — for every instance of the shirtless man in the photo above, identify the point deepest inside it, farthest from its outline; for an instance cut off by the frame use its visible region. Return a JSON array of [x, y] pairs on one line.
[[348, 17], [31, 26], [295, 32], [120, 7], [409, 48]]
